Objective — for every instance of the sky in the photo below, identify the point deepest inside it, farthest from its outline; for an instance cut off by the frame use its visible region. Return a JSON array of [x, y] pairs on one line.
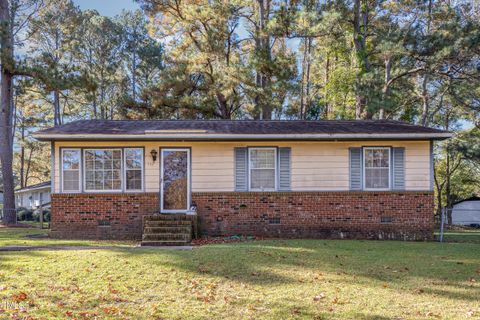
[[107, 7]]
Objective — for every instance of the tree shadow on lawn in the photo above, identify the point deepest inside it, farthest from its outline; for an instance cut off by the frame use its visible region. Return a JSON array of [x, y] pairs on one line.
[[413, 264], [430, 268]]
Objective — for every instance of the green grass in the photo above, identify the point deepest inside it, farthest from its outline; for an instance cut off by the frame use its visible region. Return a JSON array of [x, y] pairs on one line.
[[294, 279], [466, 235], [19, 237], [34, 224]]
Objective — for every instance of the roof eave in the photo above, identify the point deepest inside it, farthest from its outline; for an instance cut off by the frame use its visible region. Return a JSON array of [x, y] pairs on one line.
[[32, 189], [236, 137]]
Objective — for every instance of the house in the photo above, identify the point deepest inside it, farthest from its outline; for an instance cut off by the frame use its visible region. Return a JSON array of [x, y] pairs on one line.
[[466, 212], [33, 196], [340, 179]]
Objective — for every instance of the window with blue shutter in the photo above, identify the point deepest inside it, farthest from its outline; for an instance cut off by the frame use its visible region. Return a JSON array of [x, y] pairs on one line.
[[398, 169], [377, 168], [284, 169], [254, 170], [356, 168], [241, 169]]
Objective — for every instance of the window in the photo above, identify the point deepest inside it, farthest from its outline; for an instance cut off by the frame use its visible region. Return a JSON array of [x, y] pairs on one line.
[[71, 169], [111, 169], [263, 163], [377, 168], [133, 169], [103, 169]]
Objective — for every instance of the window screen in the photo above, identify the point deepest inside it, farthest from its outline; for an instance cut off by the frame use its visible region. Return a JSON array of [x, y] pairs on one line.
[[134, 168], [377, 168], [71, 169], [262, 168]]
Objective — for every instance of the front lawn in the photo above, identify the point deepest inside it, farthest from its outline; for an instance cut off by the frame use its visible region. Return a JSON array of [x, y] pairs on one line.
[[309, 279], [461, 235], [38, 237]]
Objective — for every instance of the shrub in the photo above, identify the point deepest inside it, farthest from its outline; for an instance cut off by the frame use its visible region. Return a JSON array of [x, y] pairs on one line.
[[24, 214]]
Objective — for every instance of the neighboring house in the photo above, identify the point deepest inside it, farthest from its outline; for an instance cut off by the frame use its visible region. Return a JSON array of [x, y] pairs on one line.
[[343, 179], [32, 196], [1, 199], [466, 212]]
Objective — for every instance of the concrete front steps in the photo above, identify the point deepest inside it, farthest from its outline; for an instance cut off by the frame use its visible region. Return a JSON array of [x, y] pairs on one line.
[[168, 229]]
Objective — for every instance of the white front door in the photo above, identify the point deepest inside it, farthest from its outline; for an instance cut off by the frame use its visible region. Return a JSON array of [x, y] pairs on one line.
[[175, 180]]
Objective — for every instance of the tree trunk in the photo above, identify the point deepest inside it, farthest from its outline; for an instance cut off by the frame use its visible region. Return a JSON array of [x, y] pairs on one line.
[[302, 83], [56, 108], [425, 101], [22, 157], [328, 107], [385, 91], [307, 78], [222, 106], [27, 173], [134, 75], [448, 190], [6, 134], [360, 24], [425, 97], [262, 80]]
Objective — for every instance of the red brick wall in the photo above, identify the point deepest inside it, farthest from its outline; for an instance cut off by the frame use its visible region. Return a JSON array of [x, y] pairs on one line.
[[318, 214], [101, 216], [273, 214]]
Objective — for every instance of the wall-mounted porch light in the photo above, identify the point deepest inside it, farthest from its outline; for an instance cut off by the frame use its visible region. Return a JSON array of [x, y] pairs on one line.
[[154, 154]]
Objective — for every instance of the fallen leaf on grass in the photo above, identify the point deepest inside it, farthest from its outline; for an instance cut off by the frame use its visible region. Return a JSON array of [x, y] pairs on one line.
[[88, 315], [203, 269], [19, 297], [431, 314], [470, 313], [296, 311], [319, 297]]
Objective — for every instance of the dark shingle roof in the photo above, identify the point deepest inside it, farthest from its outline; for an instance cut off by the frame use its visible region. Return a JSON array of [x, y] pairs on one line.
[[234, 127]]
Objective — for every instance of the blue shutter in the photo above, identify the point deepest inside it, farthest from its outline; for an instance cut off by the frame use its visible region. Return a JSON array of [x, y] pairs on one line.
[[241, 169], [398, 169], [284, 169], [356, 181]]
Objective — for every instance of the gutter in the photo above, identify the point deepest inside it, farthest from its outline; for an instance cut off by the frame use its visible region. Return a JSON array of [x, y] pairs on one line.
[[230, 137], [32, 189]]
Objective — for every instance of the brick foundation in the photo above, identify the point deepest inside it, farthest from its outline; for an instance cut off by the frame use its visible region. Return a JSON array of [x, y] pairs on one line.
[[101, 216], [359, 215]]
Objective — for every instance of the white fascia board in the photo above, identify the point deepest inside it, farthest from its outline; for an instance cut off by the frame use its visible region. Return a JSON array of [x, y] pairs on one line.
[[47, 188]]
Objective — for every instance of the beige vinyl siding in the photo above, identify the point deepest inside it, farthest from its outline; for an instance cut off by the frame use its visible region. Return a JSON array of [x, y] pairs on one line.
[[316, 166]]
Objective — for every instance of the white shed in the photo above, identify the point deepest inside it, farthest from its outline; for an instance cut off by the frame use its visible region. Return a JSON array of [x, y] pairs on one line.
[[466, 212]]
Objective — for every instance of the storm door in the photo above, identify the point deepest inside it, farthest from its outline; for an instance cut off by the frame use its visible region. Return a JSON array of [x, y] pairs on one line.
[[175, 180]]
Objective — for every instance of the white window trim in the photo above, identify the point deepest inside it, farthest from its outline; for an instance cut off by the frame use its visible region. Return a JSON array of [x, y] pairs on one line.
[[125, 170], [389, 169], [189, 195], [250, 168], [79, 170], [85, 175]]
